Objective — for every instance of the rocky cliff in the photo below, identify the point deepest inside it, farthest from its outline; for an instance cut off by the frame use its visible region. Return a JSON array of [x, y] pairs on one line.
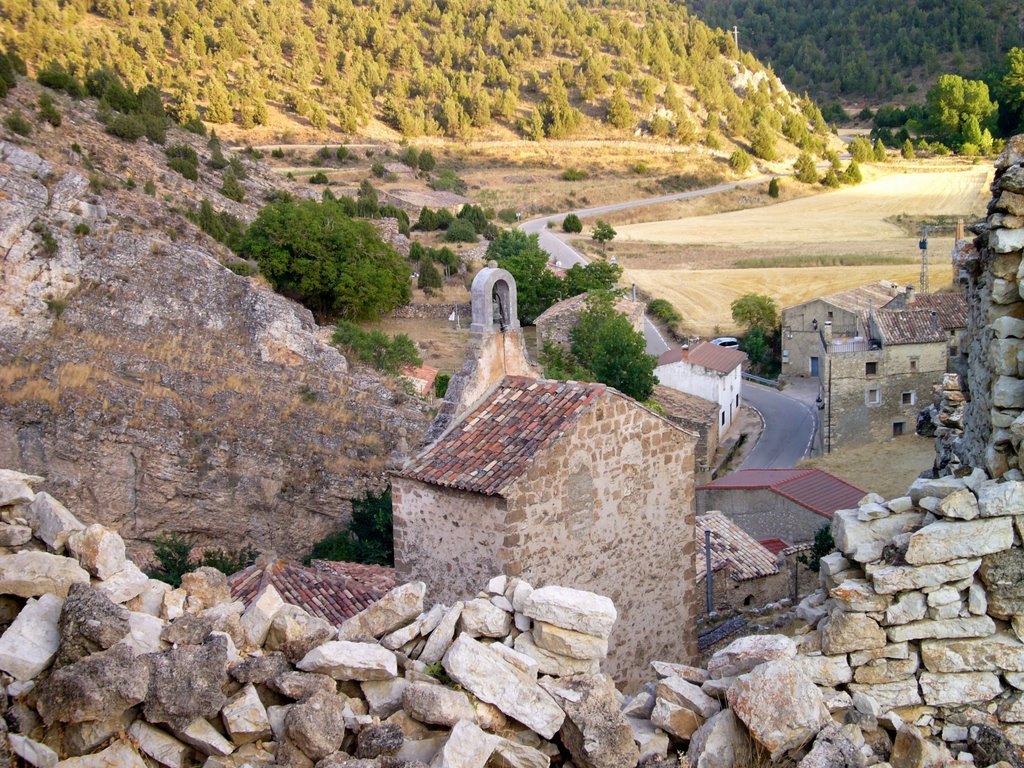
[[153, 387]]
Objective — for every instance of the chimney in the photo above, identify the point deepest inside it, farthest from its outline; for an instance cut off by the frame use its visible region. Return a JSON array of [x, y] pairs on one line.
[[634, 292], [935, 321], [910, 294], [827, 331]]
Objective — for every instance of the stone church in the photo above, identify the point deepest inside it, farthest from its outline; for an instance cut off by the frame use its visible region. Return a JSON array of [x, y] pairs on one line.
[[557, 482]]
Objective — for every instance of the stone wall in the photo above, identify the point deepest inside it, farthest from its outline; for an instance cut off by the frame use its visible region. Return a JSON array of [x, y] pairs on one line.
[[431, 312], [995, 329], [762, 513]]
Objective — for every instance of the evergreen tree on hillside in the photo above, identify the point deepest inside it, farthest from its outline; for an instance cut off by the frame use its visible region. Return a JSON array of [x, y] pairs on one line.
[[619, 114], [218, 105]]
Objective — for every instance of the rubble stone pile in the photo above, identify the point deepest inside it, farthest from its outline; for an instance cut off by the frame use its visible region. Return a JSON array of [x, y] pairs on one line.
[[915, 660]]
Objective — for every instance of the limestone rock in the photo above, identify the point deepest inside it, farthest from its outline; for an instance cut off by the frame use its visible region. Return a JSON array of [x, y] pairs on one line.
[[263, 669], [903, 693], [944, 541], [186, 683], [300, 685], [120, 754], [14, 535], [384, 697], [859, 540], [883, 671], [911, 606], [30, 644], [98, 687], [492, 679], [858, 595], [201, 735], [32, 752], [245, 717], [378, 740], [688, 695], [15, 492], [832, 749], [397, 608], [205, 587], [296, 632], [511, 754], [436, 704], [441, 638], [344, 660], [974, 626], [151, 599], [745, 653], [258, 616], [568, 642], [32, 574], [781, 708], [1001, 652], [911, 750], [694, 675], [825, 670], [160, 746], [677, 720], [902, 578], [85, 737], [594, 731], [467, 747], [960, 505], [480, 618], [957, 689], [144, 634], [317, 725], [89, 622], [891, 651], [1003, 576], [845, 632], [99, 550], [520, 660], [721, 742], [548, 663], [1001, 498], [575, 609], [125, 584]]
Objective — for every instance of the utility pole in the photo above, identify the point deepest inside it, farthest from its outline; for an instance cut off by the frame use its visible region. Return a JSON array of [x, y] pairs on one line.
[[707, 570], [923, 245], [736, 35]]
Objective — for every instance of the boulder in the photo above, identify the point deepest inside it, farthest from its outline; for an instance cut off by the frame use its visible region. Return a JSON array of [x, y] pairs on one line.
[[962, 504], [990, 746], [205, 588], [861, 540], [33, 574], [202, 736], [911, 750], [441, 637], [695, 675], [575, 609], [436, 704], [511, 754], [186, 683], [160, 746], [30, 644], [679, 721], [89, 622], [491, 678], [686, 694], [384, 697], [568, 642], [481, 618], [825, 670], [902, 578], [144, 633], [882, 671], [124, 585], [15, 492], [397, 608], [245, 717], [344, 660], [317, 725], [721, 742], [296, 632], [300, 685], [120, 754], [998, 498], [845, 632], [99, 550], [467, 747], [258, 616], [944, 541], [15, 536], [97, 687], [548, 663], [745, 653], [32, 752], [1003, 576], [781, 708], [594, 731], [956, 689], [526, 663], [930, 629], [151, 599], [377, 740], [1001, 652]]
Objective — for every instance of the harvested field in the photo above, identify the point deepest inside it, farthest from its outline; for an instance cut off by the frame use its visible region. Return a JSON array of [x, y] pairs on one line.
[[887, 468]]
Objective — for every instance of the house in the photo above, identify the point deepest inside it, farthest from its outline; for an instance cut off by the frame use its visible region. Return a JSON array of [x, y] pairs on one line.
[[557, 482], [421, 377], [742, 571], [950, 308], [696, 415], [556, 323], [335, 591], [788, 504], [708, 371]]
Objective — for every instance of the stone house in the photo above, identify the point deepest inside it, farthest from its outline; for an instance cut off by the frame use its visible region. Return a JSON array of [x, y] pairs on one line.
[[421, 378], [696, 415], [555, 324], [950, 308], [708, 371], [740, 567], [787, 504], [556, 482]]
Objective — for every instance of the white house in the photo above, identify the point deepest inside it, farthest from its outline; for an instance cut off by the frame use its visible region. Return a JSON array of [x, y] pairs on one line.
[[708, 371]]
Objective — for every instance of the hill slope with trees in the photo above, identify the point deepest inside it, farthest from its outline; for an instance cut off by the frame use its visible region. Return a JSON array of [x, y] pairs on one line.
[[553, 68], [870, 48]]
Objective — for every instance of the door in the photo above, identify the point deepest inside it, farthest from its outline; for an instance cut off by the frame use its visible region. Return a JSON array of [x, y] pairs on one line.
[[814, 366]]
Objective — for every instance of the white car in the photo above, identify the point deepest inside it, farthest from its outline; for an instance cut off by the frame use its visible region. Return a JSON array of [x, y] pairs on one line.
[[727, 341]]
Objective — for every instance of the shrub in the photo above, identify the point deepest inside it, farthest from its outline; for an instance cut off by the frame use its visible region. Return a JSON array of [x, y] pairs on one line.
[[232, 188], [127, 127], [447, 181], [277, 153], [476, 216], [55, 76], [81, 228], [773, 187], [183, 159], [242, 268], [429, 278], [823, 545], [319, 178], [367, 539], [377, 169], [805, 169], [48, 110], [441, 382], [461, 231], [574, 174], [831, 178], [17, 123], [664, 311], [194, 125], [149, 187], [173, 552], [572, 223], [374, 348], [508, 215], [427, 162], [740, 161], [221, 226]]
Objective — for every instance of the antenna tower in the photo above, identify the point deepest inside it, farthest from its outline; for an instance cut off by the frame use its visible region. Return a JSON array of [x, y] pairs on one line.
[[923, 245]]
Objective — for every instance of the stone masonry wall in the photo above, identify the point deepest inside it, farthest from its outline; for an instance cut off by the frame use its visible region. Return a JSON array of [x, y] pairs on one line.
[[610, 509]]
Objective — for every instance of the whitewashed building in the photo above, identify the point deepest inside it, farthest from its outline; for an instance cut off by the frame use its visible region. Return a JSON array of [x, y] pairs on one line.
[[708, 371]]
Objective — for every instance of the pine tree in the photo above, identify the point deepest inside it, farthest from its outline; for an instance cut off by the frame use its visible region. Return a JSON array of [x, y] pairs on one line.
[[805, 169], [773, 187], [908, 150], [218, 106], [619, 113], [879, 151], [762, 143]]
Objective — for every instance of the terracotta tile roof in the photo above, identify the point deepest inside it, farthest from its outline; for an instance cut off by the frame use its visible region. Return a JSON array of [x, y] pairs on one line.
[[734, 548], [330, 596], [950, 307], [908, 326], [864, 297], [499, 440], [706, 354], [813, 489], [774, 545], [376, 577]]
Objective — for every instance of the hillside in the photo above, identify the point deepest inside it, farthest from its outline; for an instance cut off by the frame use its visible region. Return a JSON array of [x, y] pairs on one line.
[[488, 69], [154, 387], [870, 49]]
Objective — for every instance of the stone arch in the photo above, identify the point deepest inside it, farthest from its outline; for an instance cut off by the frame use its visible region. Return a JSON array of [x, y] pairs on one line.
[[493, 287]]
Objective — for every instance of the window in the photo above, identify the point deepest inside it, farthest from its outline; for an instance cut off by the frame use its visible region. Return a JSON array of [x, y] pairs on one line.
[[913, 364], [909, 398], [737, 401], [723, 418], [874, 397], [870, 369], [897, 428], [830, 316]]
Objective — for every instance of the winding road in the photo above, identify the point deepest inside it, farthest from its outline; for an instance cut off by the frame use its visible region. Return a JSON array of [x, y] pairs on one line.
[[789, 424]]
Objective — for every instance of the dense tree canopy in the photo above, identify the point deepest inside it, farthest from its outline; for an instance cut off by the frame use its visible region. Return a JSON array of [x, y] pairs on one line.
[[336, 266], [605, 343], [755, 311]]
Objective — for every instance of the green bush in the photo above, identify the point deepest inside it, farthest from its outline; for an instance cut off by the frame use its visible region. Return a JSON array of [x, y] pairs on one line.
[[319, 178], [388, 355], [508, 216], [740, 161], [447, 181], [127, 127], [773, 187], [81, 228], [664, 311], [571, 223], [441, 382], [232, 188], [277, 153], [149, 187], [55, 76], [183, 159], [194, 125], [242, 268], [461, 231], [369, 537], [574, 174], [173, 552], [17, 123], [823, 545], [48, 110]]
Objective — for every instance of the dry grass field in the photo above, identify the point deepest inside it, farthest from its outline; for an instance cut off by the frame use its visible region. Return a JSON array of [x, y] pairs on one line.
[[887, 468], [687, 261]]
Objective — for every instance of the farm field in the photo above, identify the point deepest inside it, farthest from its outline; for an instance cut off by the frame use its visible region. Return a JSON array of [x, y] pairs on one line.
[[687, 261]]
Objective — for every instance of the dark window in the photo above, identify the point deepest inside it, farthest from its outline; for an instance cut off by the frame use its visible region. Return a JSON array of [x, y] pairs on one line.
[[870, 369], [897, 428], [829, 315], [913, 365], [723, 418], [908, 398], [737, 401]]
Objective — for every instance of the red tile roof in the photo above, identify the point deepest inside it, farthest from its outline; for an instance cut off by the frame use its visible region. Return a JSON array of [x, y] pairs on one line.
[[908, 326], [329, 595], [950, 307], [498, 441], [813, 489], [774, 545], [377, 577], [706, 354], [733, 547]]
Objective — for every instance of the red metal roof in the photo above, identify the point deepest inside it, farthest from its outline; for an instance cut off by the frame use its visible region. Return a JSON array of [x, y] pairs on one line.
[[813, 489], [498, 441], [774, 545], [328, 595], [706, 354]]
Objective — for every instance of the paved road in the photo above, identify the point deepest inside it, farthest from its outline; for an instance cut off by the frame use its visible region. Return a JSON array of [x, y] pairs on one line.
[[789, 428]]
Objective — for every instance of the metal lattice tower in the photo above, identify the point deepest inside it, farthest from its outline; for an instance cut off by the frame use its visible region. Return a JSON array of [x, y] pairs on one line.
[[923, 245]]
